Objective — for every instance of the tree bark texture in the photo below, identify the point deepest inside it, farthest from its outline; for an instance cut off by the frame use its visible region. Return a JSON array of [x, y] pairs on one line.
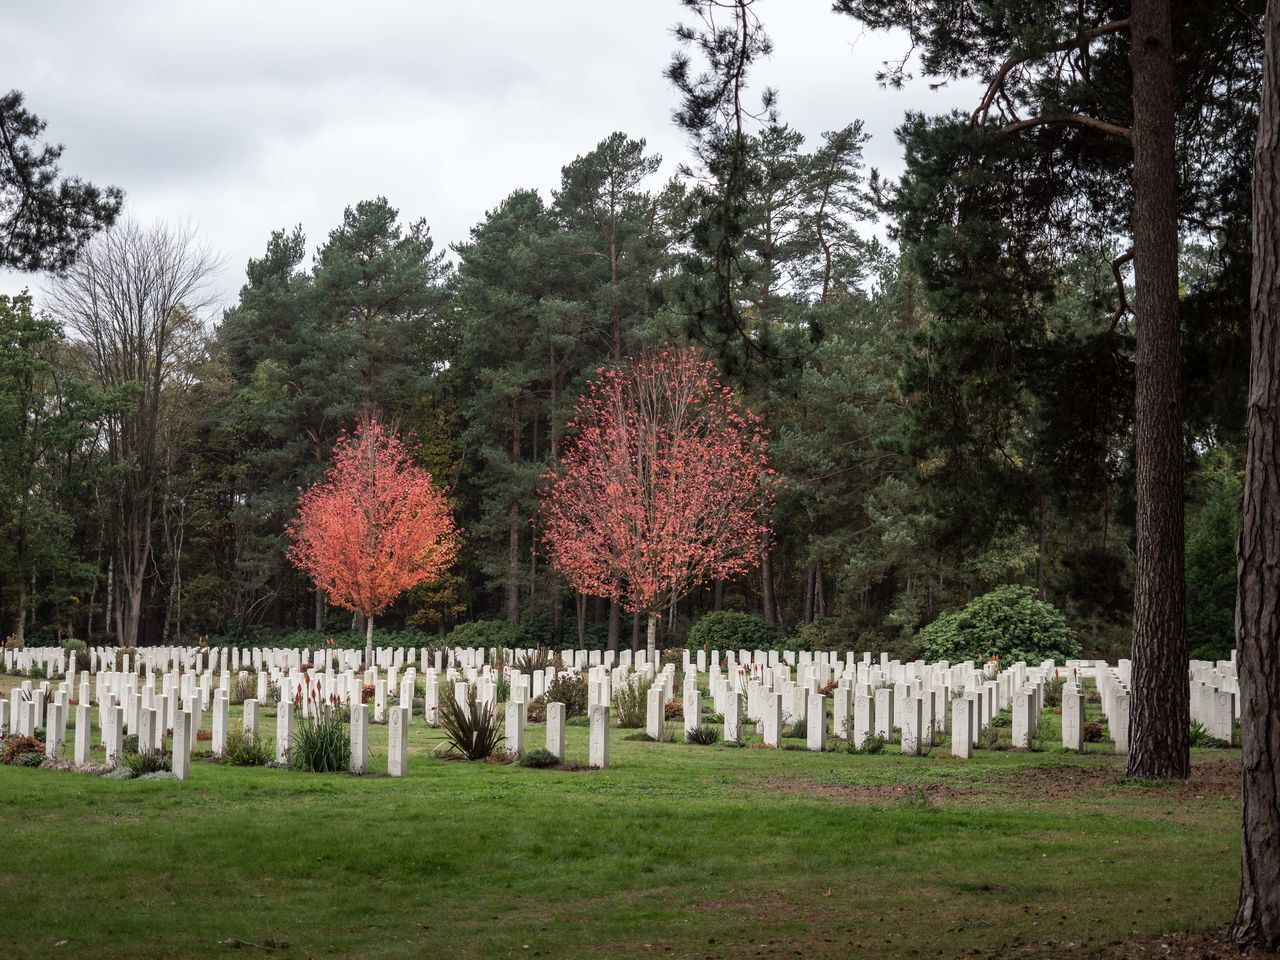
[[1160, 693]]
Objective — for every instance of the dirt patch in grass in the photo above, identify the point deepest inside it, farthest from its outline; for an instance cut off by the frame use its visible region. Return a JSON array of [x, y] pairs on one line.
[[1215, 776], [1176, 946]]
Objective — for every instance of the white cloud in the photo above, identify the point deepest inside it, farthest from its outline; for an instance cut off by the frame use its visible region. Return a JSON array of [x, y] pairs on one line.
[[244, 117]]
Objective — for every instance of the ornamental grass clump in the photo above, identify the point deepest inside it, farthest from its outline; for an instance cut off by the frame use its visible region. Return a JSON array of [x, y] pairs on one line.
[[703, 735]]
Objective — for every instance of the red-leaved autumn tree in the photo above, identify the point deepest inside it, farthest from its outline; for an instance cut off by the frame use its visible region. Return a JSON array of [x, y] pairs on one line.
[[664, 484], [374, 526]]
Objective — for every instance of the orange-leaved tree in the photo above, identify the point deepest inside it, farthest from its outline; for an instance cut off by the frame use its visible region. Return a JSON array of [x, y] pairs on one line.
[[374, 526], [664, 483]]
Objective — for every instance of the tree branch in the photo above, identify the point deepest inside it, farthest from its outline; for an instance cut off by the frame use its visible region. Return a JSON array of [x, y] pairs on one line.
[[979, 118], [1122, 307], [1079, 119]]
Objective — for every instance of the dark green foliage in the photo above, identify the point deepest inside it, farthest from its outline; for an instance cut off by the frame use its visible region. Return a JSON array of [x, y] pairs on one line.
[[482, 633], [407, 638], [472, 729], [46, 217], [1198, 736], [321, 742], [539, 759], [1009, 623], [571, 690], [1211, 566], [730, 630], [28, 760], [704, 735]]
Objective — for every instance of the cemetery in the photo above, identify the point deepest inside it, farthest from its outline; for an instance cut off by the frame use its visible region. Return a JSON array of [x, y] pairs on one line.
[[698, 479], [832, 794]]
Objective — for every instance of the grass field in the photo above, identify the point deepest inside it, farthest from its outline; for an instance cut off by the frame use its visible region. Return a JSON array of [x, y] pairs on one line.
[[674, 851]]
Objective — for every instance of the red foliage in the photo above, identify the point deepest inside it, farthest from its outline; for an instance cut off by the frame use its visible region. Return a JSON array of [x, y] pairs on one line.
[[664, 484], [375, 525]]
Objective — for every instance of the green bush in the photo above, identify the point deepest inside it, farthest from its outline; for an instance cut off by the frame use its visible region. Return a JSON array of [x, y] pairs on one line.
[[539, 759], [571, 690], [482, 633], [246, 750], [320, 743], [631, 701], [730, 630], [1009, 622]]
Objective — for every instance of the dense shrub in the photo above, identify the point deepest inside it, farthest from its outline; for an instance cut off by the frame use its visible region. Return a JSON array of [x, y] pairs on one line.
[[320, 742], [244, 686], [482, 633], [673, 710], [1009, 622], [535, 710], [571, 690], [245, 749], [539, 759], [730, 630], [29, 760], [631, 701], [15, 747], [79, 651]]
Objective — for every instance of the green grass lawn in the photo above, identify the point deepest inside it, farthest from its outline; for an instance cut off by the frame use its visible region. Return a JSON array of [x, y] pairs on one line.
[[674, 851]]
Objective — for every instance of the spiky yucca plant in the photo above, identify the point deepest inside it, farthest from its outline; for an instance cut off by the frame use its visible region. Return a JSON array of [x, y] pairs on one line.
[[472, 729]]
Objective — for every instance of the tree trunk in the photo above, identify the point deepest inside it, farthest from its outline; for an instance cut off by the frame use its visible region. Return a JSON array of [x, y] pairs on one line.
[[368, 640], [1042, 547], [20, 626], [808, 593], [319, 611], [581, 600], [766, 581], [1257, 922], [615, 624], [637, 631], [651, 642], [717, 595], [1160, 693]]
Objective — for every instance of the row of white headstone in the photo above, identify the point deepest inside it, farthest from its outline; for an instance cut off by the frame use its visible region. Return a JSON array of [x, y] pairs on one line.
[[868, 698]]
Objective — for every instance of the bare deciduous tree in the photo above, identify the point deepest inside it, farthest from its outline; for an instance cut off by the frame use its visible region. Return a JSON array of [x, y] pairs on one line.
[[137, 297]]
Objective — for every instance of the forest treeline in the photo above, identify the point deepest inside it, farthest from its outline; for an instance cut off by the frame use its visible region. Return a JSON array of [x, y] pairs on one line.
[[950, 408]]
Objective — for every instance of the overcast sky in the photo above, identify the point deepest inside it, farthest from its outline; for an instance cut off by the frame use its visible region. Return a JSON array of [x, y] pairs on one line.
[[244, 117]]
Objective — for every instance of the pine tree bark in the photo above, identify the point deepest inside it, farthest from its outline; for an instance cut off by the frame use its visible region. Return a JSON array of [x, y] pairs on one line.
[[1159, 694], [1257, 922], [766, 580]]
